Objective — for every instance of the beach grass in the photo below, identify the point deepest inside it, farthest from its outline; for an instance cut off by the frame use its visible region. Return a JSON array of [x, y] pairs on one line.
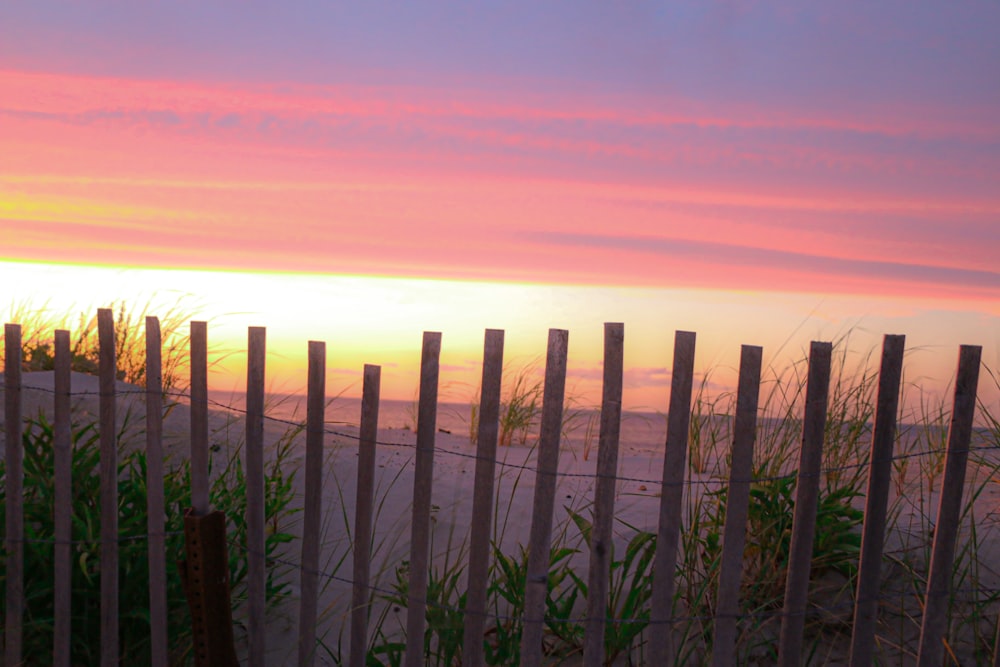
[[920, 443], [918, 471], [228, 494]]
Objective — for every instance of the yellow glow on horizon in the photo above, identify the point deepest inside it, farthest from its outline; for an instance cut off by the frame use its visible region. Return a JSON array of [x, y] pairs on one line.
[[381, 320]]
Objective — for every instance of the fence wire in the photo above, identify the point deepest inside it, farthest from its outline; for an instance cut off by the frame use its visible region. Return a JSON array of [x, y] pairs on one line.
[[711, 482], [973, 594]]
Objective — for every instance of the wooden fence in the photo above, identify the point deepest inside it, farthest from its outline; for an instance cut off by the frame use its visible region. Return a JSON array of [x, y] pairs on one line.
[[790, 642]]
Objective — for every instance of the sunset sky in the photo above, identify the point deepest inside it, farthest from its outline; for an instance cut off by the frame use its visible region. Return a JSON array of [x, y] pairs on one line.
[[358, 173]]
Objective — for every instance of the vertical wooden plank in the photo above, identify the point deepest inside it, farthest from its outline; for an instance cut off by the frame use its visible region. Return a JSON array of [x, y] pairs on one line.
[[877, 501], [671, 500], [107, 368], [422, 483], [935, 621], [199, 418], [482, 500], [540, 538], [363, 514], [312, 514], [737, 508], [256, 572], [63, 510], [806, 502], [604, 495], [155, 504], [996, 646], [14, 461]]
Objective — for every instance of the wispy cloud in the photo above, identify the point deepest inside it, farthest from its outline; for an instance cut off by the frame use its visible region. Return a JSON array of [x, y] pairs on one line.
[[811, 266], [465, 182]]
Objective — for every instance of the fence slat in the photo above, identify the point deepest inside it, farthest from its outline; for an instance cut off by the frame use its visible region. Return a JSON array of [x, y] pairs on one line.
[[737, 508], [199, 418], [540, 537], [312, 514], [935, 620], [107, 368], [256, 572], [660, 650], [14, 461], [422, 484], [601, 546], [806, 502], [155, 505], [482, 500], [62, 552], [671, 499], [360, 595], [877, 501], [996, 645]]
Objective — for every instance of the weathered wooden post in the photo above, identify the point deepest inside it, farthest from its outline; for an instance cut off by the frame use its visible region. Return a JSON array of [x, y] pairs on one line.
[[482, 500], [671, 500], [963, 413], [540, 538], [155, 510], [205, 570], [601, 545], [199, 418], [806, 503], [422, 484], [14, 462], [109, 489], [737, 508], [877, 502], [312, 514], [254, 452], [363, 514]]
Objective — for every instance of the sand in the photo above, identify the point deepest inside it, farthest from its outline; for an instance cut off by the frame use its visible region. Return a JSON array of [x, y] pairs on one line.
[[454, 469], [637, 500]]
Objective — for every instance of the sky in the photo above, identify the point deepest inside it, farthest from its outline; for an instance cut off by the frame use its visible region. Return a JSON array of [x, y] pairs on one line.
[[358, 173]]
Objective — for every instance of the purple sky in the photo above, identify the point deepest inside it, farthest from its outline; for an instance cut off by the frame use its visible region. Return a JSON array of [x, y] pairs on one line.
[[866, 135]]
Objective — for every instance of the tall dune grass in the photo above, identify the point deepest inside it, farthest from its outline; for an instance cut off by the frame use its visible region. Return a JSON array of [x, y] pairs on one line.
[[38, 353], [920, 443], [918, 468]]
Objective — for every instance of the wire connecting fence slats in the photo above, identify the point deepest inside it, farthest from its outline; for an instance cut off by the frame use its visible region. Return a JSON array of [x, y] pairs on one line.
[[594, 622], [671, 499], [540, 537]]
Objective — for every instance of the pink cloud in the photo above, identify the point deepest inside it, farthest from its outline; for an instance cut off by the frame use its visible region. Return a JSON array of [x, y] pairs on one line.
[[418, 181]]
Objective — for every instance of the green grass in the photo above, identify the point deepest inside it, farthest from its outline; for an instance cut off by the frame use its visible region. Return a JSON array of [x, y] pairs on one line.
[[918, 471], [835, 555], [228, 493]]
